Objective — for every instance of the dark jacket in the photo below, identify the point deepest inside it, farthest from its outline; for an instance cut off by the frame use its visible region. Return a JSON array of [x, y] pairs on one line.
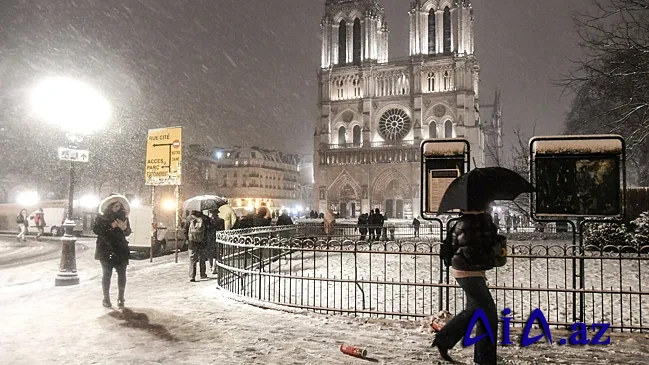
[[284, 220], [473, 238], [112, 245], [363, 221]]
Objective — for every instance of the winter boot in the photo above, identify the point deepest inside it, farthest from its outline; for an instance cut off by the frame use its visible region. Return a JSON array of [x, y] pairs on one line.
[[120, 303], [106, 303]]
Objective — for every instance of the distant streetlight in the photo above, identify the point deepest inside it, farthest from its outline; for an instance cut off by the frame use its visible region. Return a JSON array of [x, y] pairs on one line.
[[78, 110]]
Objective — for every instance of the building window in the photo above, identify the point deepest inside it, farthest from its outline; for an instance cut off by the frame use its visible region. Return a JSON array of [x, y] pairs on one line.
[[431, 82], [447, 81], [357, 135], [432, 130], [448, 129], [342, 43], [342, 134], [357, 41], [432, 34], [341, 89], [447, 30], [357, 88]]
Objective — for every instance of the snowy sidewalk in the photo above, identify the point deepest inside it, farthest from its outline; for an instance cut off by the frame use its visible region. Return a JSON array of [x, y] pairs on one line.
[[193, 323]]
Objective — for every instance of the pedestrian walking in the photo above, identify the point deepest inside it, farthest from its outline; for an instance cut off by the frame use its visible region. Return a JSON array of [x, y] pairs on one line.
[[508, 222], [112, 227], [415, 224], [39, 222], [196, 233], [362, 225], [23, 225], [371, 221], [472, 239]]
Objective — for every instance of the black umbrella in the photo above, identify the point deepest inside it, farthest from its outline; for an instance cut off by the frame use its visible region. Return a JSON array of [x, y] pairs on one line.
[[475, 190], [204, 202]]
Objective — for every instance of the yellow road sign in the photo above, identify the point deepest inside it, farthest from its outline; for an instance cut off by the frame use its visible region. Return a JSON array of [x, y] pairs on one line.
[[164, 156]]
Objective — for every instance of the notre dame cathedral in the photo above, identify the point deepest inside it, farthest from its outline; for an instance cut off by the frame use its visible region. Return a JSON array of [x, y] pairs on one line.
[[374, 112]]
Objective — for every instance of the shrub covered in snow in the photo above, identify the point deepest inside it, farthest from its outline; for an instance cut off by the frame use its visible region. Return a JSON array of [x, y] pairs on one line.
[[607, 234], [641, 231]]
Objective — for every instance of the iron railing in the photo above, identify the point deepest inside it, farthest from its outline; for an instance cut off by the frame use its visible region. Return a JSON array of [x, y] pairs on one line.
[[297, 266]]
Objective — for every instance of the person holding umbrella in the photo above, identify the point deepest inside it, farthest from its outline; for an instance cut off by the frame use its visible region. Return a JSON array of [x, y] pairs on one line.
[[472, 247]]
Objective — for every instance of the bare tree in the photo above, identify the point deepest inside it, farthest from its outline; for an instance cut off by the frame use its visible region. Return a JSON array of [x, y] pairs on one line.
[[518, 160], [611, 82]]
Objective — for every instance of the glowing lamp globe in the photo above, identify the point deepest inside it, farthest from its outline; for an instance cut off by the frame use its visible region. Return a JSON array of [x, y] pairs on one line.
[[71, 105]]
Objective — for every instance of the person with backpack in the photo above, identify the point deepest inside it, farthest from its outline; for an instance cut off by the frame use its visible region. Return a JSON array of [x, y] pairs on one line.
[[196, 233], [472, 247], [23, 225]]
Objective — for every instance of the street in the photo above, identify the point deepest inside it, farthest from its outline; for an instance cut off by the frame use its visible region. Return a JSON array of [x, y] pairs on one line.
[[172, 321]]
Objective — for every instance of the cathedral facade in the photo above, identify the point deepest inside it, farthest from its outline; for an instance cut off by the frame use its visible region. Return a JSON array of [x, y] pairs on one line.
[[374, 112]]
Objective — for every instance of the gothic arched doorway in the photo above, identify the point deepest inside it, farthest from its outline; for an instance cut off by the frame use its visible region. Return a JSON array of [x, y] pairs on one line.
[[344, 196], [391, 193]]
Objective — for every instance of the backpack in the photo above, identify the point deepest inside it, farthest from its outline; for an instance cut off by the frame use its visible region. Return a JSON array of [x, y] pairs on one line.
[[20, 219], [196, 230]]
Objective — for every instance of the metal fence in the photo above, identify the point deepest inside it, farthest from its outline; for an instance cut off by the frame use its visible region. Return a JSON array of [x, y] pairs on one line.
[[403, 277]]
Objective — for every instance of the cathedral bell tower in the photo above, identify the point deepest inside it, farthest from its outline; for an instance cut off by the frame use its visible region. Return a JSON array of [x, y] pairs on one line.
[[441, 27], [353, 32]]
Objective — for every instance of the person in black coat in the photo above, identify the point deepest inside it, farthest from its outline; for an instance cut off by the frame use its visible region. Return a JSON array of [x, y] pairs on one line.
[[284, 219], [473, 238], [363, 221], [112, 227]]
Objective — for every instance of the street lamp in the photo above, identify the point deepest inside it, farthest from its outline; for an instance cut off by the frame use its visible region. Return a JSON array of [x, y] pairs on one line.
[[78, 110]]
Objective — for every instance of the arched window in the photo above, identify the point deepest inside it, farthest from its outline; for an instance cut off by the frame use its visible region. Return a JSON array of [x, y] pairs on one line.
[[342, 43], [432, 130], [447, 30], [431, 82], [447, 81], [448, 129], [357, 135], [342, 135], [432, 34], [357, 42]]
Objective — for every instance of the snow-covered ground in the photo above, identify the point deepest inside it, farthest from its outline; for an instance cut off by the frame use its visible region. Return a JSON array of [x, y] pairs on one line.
[[177, 322], [402, 280]]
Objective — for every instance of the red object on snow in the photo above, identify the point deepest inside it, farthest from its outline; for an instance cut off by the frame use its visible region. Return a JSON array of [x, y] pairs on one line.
[[353, 351]]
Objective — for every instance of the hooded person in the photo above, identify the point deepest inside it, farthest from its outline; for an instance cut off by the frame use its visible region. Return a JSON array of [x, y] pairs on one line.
[[112, 227]]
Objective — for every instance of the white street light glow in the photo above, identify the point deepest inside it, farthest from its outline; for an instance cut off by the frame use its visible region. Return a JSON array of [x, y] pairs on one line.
[[169, 204], [89, 201], [28, 198], [71, 105], [135, 203]]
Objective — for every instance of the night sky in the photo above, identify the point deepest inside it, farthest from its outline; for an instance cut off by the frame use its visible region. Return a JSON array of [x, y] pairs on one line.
[[244, 72]]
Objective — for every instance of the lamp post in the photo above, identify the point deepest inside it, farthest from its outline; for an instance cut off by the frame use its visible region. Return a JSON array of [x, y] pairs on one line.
[[78, 110]]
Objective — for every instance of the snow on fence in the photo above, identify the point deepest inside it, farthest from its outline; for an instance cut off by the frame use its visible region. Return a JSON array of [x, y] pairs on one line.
[[405, 278]]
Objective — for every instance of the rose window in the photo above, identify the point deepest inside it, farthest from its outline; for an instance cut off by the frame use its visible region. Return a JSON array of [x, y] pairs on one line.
[[394, 124]]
